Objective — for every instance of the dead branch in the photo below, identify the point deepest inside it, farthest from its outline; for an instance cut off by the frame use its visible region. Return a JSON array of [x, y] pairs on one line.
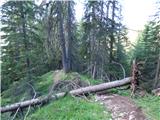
[[15, 114], [32, 98], [134, 80], [124, 73]]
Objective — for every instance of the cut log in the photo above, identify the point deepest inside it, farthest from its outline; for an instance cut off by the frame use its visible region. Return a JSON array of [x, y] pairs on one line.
[[89, 89]]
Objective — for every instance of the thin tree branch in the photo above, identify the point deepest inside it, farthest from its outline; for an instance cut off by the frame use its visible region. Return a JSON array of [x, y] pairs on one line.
[[32, 98], [124, 73], [15, 114]]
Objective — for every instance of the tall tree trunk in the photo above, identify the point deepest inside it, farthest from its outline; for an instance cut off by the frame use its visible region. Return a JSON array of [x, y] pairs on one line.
[[107, 13], [61, 36], [157, 73], [93, 44], [112, 32], [25, 41], [69, 39]]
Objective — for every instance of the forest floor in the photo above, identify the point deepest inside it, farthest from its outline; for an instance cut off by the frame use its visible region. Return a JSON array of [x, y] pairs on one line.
[[121, 107], [115, 105]]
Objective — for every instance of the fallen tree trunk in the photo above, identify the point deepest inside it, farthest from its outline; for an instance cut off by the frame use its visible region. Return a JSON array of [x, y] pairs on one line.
[[89, 89]]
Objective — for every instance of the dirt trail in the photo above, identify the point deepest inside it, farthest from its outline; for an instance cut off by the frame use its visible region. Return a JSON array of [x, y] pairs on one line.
[[121, 108]]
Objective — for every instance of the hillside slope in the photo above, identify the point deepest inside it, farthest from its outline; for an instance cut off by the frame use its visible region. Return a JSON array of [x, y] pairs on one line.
[[69, 108]]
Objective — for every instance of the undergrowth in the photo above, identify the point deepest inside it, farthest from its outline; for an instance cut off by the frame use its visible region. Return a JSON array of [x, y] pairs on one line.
[[69, 108], [19, 90], [150, 105]]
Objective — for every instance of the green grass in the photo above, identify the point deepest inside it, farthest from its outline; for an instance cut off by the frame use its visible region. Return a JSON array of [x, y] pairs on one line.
[[90, 80], [69, 108], [18, 90], [43, 82], [150, 105], [120, 92]]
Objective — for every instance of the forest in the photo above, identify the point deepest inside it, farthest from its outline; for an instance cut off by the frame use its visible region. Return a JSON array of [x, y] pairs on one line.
[[55, 67]]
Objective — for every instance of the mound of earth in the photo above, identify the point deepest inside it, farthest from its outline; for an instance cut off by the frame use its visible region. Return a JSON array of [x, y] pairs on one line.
[[66, 82]]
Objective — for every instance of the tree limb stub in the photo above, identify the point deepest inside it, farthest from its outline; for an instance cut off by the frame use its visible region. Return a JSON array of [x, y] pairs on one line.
[[89, 89]]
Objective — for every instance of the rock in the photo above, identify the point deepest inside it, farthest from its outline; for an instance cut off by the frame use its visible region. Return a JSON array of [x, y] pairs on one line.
[[132, 117]]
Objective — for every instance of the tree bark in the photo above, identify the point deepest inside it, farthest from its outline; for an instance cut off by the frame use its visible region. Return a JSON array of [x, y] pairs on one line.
[[25, 41], [112, 40], [61, 36], [85, 90], [94, 70], [69, 35], [157, 72]]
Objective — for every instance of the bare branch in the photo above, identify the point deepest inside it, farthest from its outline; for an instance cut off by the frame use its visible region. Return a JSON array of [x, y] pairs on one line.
[[124, 73], [15, 114], [32, 98]]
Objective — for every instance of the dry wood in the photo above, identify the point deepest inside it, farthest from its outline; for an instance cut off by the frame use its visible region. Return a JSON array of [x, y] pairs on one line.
[[134, 80], [85, 90], [156, 92]]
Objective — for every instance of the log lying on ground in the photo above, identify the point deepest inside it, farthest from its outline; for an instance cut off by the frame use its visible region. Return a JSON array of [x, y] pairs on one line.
[[156, 91], [89, 89]]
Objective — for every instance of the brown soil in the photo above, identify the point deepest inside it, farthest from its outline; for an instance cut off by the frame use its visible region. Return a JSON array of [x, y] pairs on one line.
[[121, 108]]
